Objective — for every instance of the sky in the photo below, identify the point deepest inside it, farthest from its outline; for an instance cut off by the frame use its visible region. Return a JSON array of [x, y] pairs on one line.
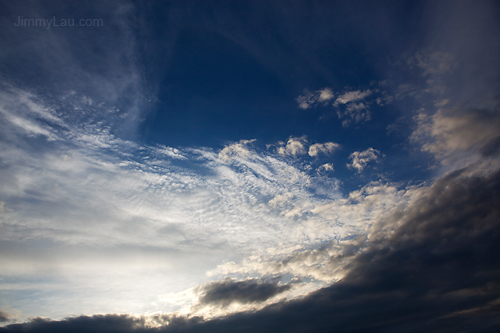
[[294, 166]]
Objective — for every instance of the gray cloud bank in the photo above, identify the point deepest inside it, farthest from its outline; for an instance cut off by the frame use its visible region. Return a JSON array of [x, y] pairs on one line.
[[223, 293], [430, 266]]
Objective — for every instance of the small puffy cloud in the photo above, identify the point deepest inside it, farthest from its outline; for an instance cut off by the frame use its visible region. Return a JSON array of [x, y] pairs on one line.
[[236, 149], [306, 100], [298, 146], [324, 148], [325, 94], [309, 99], [360, 159], [294, 146]]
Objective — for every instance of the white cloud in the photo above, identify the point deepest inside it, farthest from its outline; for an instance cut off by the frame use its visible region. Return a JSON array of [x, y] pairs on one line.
[[294, 146], [236, 149], [325, 94], [352, 96], [327, 167], [309, 99], [360, 159], [299, 146], [325, 148]]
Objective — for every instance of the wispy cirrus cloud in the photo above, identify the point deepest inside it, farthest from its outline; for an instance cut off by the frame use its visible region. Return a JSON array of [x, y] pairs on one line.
[[426, 232]]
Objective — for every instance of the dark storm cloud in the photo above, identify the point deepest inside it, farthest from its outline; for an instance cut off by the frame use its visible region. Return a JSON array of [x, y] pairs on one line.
[[223, 293], [437, 271]]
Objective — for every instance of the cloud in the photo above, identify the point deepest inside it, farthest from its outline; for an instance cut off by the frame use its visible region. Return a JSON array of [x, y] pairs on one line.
[[294, 146], [352, 96], [431, 63], [354, 113], [325, 94], [351, 109], [306, 101], [360, 159], [309, 99], [4, 317], [352, 106], [143, 212], [228, 291], [298, 146], [427, 265], [449, 134], [325, 148], [327, 167], [236, 149]]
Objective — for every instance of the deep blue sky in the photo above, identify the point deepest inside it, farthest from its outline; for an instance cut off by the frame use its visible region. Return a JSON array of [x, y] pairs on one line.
[[233, 70]]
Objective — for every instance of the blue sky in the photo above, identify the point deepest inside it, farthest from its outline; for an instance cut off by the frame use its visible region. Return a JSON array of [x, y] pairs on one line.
[[236, 162]]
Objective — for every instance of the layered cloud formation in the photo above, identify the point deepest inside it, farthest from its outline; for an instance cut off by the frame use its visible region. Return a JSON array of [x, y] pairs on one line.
[[378, 211], [419, 271]]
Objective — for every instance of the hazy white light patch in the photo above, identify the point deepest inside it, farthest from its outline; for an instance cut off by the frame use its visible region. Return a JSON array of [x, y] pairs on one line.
[[360, 159]]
